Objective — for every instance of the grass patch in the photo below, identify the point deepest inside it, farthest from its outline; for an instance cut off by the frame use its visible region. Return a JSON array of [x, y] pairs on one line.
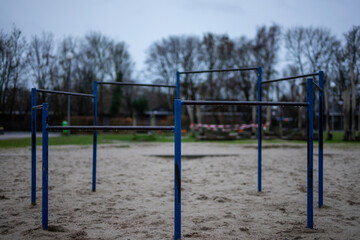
[[88, 139], [163, 137]]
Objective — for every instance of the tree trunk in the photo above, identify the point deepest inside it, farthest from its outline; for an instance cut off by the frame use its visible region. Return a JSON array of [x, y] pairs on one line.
[[254, 120], [134, 122], [353, 106], [191, 118], [268, 110], [279, 110], [300, 112], [12, 102], [101, 107], [347, 114], [198, 114], [359, 125], [327, 112]]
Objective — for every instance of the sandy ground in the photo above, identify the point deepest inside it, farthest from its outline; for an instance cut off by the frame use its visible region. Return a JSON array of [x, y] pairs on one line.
[[134, 197]]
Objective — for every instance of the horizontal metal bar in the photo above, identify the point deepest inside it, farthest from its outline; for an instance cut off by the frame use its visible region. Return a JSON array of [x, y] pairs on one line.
[[243, 103], [93, 128], [37, 107], [290, 78], [220, 70], [138, 84], [65, 93], [317, 86]]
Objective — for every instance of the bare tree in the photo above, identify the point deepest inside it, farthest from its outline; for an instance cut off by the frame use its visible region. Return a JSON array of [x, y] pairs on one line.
[[95, 56], [175, 53], [339, 76], [246, 82], [163, 60], [293, 95], [12, 65], [352, 54], [121, 68], [66, 61], [120, 61], [320, 48], [266, 49], [41, 59], [67, 54], [295, 51]]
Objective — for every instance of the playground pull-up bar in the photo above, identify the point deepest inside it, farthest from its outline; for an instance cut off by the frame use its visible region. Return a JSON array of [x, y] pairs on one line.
[[93, 128], [115, 128], [65, 93], [177, 157], [220, 70], [320, 87], [137, 84], [243, 103], [35, 107], [45, 150], [290, 78]]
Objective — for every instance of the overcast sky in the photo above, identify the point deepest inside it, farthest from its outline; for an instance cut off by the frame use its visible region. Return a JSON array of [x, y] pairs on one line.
[[141, 22]]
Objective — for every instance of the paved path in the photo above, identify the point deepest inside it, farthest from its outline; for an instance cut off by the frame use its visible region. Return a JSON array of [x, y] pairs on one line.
[[15, 135]]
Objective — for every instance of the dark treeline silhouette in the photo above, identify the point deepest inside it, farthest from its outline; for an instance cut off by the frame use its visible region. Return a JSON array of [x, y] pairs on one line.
[[74, 63]]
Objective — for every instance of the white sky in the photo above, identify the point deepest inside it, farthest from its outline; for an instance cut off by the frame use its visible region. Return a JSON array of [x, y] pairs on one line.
[[141, 22]]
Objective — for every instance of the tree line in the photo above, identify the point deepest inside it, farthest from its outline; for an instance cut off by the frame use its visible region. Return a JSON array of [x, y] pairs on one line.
[[74, 63]]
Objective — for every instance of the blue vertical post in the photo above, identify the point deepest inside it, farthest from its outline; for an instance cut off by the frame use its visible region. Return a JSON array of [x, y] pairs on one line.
[[177, 173], [95, 138], [321, 136], [33, 146], [45, 196], [177, 85], [259, 129], [310, 221]]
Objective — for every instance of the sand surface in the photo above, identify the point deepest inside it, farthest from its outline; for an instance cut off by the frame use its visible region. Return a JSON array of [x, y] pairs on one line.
[[135, 198]]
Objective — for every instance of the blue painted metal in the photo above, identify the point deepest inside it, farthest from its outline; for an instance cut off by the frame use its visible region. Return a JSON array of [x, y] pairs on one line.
[[259, 129], [114, 128], [65, 93], [177, 170], [220, 70], [321, 136], [243, 103], [33, 146], [138, 84], [310, 92], [95, 138], [290, 78], [45, 195], [177, 85]]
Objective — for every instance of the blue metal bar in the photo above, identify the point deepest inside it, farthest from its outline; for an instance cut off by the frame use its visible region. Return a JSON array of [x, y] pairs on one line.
[[310, 90], [45, 196], [95, 138], [65, 93], [321, 136], [138, 84], [114, 128], [33, 146], [259, 130], [290, 78], [220, 70], [177, 85], [177, 171], [243, 103]]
